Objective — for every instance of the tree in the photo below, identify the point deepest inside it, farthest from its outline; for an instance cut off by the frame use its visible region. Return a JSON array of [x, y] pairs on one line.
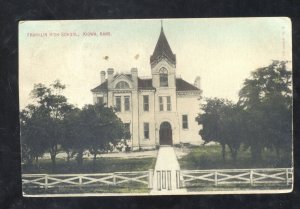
[[103, 129], [220, 122], [74, 140], [44, 118], [33, 134], [95, 128], [210, 120], [267, 98]]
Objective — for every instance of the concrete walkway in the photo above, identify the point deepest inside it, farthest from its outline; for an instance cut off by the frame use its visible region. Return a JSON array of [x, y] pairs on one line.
[[164, 178]]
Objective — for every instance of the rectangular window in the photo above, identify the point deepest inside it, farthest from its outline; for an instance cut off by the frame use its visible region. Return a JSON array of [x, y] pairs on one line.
[[161, 104], [118, 103], [185, 124], [146, 130], [168, 103], [99, 100], [163, 78], [146, 102], [127, 103]]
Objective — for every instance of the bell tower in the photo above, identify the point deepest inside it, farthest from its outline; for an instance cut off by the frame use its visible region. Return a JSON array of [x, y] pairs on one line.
[[163, 64]]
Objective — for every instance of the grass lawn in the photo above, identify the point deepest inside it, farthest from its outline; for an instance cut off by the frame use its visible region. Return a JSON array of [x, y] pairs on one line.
[[130, 187], [103, 165], [210, 157]]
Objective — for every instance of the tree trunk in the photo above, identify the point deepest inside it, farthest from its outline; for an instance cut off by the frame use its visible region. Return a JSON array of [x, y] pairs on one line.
[[68, 157], [94, 161], [37, 160], [29, 161], [233, 152], [256, 153], [53, 152], [80, 158], [53, 159], [224, 152]]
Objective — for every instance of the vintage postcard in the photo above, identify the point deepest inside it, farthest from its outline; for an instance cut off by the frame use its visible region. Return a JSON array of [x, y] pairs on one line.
[[156, 106]]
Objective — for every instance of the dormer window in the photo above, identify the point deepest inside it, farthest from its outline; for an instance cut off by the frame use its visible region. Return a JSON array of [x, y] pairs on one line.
[[163, 77], [122, 85]]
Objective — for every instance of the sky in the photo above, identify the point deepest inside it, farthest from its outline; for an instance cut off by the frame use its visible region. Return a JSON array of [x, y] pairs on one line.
[[222, 51]]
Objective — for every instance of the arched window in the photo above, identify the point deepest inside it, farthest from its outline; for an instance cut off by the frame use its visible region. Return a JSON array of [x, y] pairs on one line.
[[122, 85], [163, 77]]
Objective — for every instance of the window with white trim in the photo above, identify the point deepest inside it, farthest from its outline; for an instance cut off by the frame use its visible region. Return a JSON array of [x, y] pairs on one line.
[[118, 103], [127, 103], [146, 103], [146, 130], [185, 123], [168, 103], [99, 100], [122, 85], [165, 103], [161, 104], [163, 77]]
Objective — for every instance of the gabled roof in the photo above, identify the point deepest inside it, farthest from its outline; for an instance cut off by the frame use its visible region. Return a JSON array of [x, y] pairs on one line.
[[146, 84], [101, 87], [163, 49], [182, 85]]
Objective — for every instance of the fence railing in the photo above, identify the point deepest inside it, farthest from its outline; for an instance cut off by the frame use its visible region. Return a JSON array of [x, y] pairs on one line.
[[46, 181], [252, 177], [144, 179]]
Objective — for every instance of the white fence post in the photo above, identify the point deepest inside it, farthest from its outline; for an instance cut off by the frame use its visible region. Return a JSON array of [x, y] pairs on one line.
[[169, 178], [80, 180], [46, 181], [150, 178], [251, 177], [216, 178], [164, 182], [178, 179], [158, 180], [287, 176], [114, 179]]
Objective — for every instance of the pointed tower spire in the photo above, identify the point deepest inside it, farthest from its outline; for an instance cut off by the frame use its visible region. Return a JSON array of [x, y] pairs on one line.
[[162, 50]]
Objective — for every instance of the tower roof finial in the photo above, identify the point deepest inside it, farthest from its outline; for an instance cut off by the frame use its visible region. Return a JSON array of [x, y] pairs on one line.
[[161, 24], [162, 49]]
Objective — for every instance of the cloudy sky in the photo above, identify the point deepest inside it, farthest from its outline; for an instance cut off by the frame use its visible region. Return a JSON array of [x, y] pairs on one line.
[[221, 51]]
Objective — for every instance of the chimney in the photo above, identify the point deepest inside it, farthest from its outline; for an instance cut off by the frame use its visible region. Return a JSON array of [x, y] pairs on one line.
[[110, 75], [102, 76], [134, 76], [197, 82]]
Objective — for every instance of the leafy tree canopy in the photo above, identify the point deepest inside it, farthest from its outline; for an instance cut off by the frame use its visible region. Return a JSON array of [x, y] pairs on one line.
[[41, 123], [262, 118], [220, 123]]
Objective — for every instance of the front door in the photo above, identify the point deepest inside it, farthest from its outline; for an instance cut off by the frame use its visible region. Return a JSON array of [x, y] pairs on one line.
[[165, 134]]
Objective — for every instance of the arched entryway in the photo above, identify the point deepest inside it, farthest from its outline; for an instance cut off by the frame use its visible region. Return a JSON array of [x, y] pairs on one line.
[[165, 134]]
